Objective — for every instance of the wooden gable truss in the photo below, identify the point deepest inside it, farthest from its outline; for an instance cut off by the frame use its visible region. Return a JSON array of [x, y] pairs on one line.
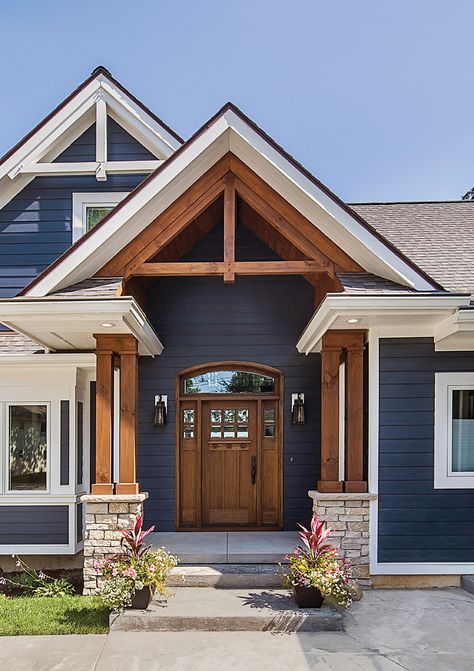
[[232, 192]]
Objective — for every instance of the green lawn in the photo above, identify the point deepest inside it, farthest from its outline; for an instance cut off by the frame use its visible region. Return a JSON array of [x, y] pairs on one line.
[[67, 615]]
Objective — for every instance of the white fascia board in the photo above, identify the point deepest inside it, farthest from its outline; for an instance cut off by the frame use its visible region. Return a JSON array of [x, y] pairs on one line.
[[127, 109], [456, 332], [53, 137], [24, 315], [54, 361], [382, 306], [149, 202], [345, 230]]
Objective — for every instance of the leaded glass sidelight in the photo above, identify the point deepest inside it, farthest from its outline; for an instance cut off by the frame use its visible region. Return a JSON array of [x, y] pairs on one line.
[[229, 382]]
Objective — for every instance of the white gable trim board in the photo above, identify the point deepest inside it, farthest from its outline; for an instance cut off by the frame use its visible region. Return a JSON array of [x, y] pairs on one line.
[[228, 132], [98, 98]]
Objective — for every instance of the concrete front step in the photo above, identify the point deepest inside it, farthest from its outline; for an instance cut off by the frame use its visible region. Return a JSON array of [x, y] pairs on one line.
[[208, 609], [467, 583], [225, 576]]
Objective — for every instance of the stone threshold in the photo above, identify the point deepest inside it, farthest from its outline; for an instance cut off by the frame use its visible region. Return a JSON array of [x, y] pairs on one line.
[[201, 609]]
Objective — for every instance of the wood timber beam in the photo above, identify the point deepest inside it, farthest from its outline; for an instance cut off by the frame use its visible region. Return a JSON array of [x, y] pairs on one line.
[[338, 346], [104, 416], [283, 226], [204, 268], [169, 223], [307, 230], [120, 351], [229, 225]]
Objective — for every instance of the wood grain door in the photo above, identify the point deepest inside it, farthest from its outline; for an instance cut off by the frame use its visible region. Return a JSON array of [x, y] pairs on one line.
[[230, 481]]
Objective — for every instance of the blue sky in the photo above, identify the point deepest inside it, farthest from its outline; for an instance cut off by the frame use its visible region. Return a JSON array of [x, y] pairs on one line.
[[375, 97]]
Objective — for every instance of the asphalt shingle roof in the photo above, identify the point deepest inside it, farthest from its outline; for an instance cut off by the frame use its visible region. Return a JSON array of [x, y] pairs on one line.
[[437, 236], [12, 342], [94, 287]]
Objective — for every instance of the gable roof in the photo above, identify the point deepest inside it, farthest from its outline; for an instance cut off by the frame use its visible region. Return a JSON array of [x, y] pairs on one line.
[[437, 235], [59, 129], [231, 131]]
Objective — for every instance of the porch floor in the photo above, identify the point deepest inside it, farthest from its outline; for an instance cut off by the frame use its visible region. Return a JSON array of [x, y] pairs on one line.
[[222, 547]]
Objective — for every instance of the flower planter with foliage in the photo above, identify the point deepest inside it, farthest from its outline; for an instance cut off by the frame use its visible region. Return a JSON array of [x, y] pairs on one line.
[[317, 571], [133, 576]]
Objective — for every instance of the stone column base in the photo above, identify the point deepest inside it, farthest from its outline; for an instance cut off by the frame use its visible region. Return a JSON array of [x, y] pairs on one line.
[[349, 516], [106, 515]]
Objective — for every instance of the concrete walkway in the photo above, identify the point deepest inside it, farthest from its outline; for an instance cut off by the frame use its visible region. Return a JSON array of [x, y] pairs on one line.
[[389, 630]]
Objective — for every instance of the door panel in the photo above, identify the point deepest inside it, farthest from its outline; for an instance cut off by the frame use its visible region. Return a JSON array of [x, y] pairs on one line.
[[229, 463]]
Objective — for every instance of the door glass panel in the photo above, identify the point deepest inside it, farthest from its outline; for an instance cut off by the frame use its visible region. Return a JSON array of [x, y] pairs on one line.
[[463, 430], [229, 423], [269, 422], [188, 423], [229, 382]]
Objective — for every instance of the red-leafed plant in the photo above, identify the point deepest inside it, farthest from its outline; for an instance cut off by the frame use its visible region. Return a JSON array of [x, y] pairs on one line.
[[133, 539], [317, 564], [137, 567]]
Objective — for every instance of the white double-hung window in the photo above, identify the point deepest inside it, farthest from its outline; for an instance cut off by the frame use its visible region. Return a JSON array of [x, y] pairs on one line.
[[88, 209], [454, 431]]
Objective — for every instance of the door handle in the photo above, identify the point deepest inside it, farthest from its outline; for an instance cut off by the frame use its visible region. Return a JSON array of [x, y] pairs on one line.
[[253, 470]]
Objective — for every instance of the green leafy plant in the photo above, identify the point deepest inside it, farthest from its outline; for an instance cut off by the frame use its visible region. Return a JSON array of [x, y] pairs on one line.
[[318, 564], [37, 583], [136, 567]]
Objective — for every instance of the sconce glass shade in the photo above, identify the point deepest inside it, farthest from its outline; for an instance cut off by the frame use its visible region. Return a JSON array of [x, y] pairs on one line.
[[298, 411], [159, 417]]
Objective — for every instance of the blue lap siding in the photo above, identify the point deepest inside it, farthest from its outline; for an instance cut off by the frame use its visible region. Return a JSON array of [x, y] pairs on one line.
[[29, 525], [35, 226], [200, 320], [417, 523]]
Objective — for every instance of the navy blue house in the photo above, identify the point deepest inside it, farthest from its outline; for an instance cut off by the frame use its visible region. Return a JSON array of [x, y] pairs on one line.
[[206, 323]]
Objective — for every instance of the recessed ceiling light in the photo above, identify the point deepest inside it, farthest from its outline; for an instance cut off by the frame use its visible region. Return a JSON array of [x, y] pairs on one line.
[[107, 325], [349, 321]]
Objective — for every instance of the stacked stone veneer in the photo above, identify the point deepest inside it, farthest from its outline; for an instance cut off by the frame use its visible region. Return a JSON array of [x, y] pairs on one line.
[[349, 516], [106, 516]]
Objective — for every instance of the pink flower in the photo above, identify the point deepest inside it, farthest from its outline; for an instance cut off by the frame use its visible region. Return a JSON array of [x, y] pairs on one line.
[[114, 571], [130, 572], [152, 568]]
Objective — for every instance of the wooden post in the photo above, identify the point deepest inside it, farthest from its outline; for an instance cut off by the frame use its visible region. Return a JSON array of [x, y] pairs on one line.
[[229, 225], [104, 417], [330, 360], [128, 417], [354, 476]]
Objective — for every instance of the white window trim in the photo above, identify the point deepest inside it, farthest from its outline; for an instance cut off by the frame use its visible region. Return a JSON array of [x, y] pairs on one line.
[[444, 477], [27, 492], [81, 201]]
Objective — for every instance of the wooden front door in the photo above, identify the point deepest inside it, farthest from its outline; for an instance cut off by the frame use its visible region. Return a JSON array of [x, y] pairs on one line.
[[229, 447], [229, 463]]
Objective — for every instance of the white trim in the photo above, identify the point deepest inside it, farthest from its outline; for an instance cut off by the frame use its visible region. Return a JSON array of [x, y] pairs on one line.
[[373, 444], [228, 132], [444, 477], [82, 200], [101, 130], [40, 319], [422, 568], [377, 309], [90, 168], [69, 122], [342, 421]]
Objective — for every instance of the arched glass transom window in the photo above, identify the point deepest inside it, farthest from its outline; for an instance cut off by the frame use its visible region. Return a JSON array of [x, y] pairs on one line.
[[229, 382]]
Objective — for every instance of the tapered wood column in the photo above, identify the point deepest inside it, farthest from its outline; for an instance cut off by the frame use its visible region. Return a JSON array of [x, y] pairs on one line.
[[104, 417], [330, 360], [128, 418], [354, 439]]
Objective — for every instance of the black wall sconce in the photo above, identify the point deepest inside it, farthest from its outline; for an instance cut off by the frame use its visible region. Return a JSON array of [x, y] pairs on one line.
[[298, 415], [161, 410]]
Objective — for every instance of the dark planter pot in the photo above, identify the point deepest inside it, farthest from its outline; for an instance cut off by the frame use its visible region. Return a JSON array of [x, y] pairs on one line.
[[308, 597], [142, 598]]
